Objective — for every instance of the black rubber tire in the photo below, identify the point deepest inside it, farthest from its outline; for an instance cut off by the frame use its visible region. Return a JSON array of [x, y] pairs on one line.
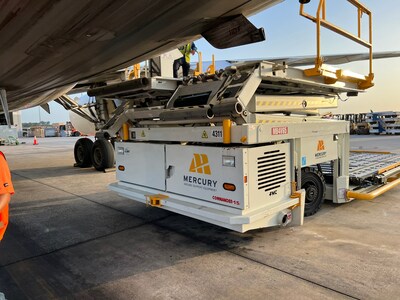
[[83, 152], [314, 184], [102, 155]]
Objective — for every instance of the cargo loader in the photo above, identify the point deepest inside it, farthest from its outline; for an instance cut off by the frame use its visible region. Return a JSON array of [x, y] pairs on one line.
[[242, 148], [246, 149]]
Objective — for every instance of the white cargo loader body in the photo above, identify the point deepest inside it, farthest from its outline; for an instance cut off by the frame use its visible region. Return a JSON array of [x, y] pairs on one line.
[[240, 188], [245, 149]]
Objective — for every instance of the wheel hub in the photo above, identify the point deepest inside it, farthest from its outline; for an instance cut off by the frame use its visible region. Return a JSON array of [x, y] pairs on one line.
[[311, 193], [80, 153], [97, 156]]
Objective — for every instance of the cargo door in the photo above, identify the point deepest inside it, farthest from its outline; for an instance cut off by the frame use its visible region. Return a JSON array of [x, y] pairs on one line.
[[143, 164]]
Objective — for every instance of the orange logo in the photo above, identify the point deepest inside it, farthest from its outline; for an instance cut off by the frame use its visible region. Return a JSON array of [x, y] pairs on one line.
[[321, 146], [200, 164]]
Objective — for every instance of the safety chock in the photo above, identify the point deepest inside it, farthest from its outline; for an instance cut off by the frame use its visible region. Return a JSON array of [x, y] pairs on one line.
[[155, 200]]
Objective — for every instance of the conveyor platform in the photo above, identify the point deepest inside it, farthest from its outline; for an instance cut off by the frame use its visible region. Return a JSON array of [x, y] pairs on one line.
[[368, 168], [373, 167]]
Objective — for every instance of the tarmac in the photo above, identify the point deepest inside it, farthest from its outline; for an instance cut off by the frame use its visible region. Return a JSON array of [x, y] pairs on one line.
[[70, 237]]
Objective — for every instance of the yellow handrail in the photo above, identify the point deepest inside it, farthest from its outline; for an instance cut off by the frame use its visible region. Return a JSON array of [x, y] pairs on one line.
[[320, 20], [135, 72], [211, 68], [199, 65], [375, 193]]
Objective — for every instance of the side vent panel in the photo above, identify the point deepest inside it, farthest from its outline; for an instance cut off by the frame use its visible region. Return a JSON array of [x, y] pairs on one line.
[[271, 170], [269, 174]]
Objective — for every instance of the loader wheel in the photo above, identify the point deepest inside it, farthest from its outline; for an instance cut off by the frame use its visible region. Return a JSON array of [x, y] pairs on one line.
[[102, 155], [83, 153], [313, 182]]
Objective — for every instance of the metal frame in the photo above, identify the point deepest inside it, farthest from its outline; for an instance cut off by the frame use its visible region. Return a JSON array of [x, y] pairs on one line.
[[330, 74], [4, 104]]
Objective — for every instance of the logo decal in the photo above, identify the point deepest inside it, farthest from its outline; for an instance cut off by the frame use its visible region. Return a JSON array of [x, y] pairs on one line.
[[204, 135], [273, 193], [321, 153], [320, 146], [200, 164]]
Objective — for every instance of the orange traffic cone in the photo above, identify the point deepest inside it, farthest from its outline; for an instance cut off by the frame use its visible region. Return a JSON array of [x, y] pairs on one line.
[[35, 142]]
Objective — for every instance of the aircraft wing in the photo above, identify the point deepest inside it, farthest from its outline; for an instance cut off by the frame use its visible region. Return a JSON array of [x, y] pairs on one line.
[[47, 46], [338, 59]]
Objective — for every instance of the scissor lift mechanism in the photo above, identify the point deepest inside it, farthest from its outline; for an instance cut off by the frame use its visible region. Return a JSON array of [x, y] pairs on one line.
[[237, 148]]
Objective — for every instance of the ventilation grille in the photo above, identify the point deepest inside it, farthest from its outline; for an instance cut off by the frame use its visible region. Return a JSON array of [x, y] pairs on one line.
[[271, 169]]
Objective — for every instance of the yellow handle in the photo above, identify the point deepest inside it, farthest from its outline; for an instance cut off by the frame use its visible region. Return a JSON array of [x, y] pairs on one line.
[[226, 131]]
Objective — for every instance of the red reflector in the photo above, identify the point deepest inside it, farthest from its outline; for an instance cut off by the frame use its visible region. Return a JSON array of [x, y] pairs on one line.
[[229, 187], [245, 179], [121, 168]]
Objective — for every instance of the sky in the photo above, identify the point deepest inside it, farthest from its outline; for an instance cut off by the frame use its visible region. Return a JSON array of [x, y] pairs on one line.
[[288, 34]]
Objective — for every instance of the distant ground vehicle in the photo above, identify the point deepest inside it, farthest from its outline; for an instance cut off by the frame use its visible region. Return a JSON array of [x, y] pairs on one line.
[[53, 130], [66, 129], [25, 132], [50, 132]]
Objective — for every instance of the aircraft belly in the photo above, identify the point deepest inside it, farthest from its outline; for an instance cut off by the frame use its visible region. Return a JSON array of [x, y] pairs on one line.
[[18, 103], [48, 44]]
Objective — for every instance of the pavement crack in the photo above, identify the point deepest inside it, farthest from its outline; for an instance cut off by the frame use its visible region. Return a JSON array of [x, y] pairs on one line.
[[292, 274]]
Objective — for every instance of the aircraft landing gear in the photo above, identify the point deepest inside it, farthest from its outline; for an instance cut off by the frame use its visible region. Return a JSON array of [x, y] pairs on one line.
[[100, 154], [82, 153]]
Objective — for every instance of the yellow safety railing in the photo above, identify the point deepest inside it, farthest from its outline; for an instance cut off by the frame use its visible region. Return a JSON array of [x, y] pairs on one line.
[[199, 66], [135, 72], [392, 182], [211, 68], [330, 74]]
